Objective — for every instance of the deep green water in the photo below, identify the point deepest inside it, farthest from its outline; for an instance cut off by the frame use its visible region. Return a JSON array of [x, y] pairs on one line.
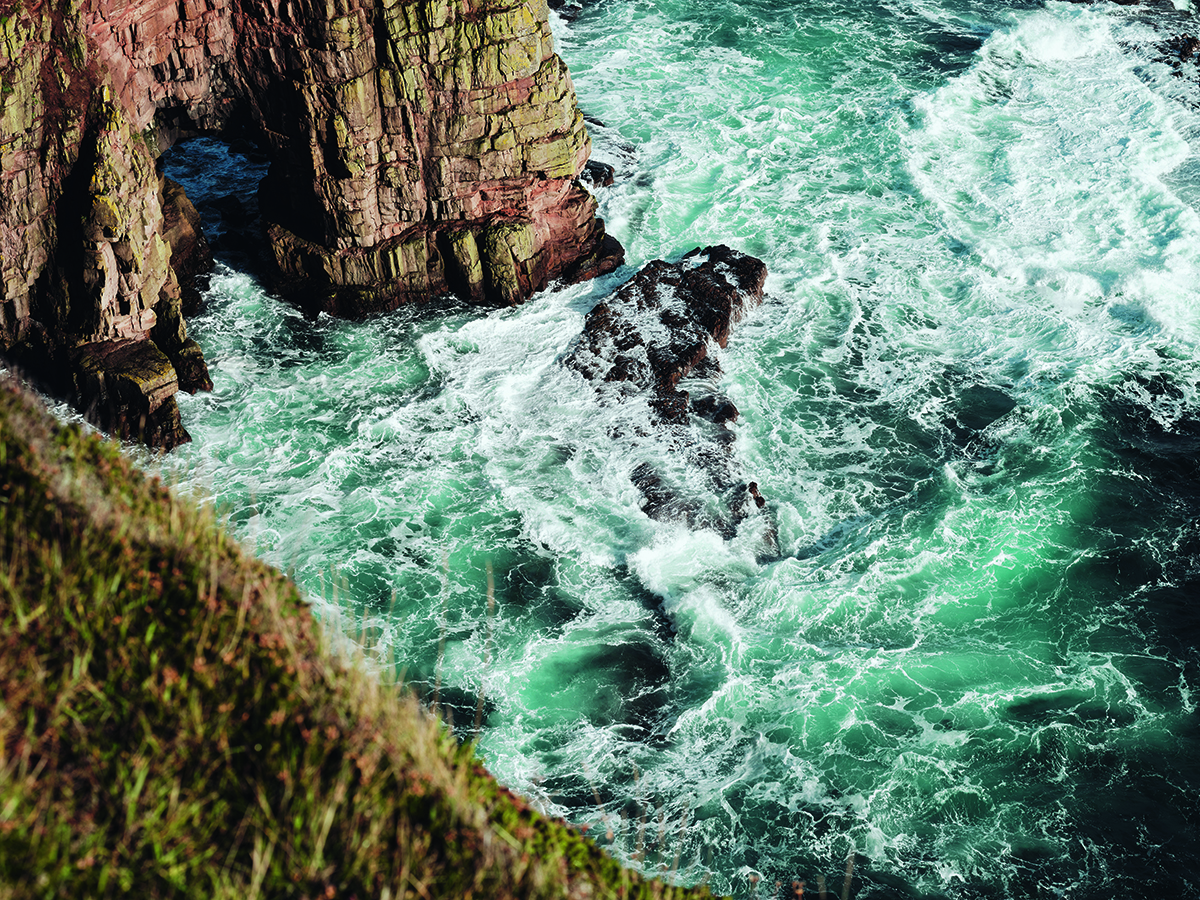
[[971, 399]]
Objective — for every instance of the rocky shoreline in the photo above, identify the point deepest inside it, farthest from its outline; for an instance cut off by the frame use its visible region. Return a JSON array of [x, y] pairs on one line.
[[417, 148]]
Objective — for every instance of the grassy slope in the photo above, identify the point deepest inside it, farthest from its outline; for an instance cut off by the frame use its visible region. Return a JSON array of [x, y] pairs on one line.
[[171, 722]]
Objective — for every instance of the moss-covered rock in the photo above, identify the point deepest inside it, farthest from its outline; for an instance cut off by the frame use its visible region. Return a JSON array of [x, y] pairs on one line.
[[128, 388]]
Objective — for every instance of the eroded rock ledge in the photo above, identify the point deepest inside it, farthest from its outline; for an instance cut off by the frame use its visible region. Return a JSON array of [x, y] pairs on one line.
[[656, 331], [418, 147]]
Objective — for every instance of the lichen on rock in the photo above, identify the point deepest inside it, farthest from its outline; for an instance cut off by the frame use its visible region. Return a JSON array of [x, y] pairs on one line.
[[418, 147], [86, 266], [454, 117]]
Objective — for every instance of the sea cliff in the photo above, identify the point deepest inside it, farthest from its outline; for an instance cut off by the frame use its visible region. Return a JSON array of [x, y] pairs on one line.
[[417, 148]]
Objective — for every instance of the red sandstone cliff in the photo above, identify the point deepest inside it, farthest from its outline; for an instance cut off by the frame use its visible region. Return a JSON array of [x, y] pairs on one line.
[[418, 147]]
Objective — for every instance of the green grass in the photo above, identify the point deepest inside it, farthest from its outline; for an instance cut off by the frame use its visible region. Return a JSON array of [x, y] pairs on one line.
[[174, 723]]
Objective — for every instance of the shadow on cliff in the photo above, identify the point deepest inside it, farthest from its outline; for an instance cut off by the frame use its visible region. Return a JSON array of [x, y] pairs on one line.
[[223, 178]]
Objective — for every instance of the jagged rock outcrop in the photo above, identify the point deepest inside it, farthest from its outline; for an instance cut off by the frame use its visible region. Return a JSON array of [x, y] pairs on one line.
[[658, 326], [85, 265], [443, 153], [652, 334], [418, 147]]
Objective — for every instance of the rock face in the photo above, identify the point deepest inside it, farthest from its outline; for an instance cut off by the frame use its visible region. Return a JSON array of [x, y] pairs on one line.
[[658, 327], [417, 146], [655, 332], [441, 152], [85, 264]]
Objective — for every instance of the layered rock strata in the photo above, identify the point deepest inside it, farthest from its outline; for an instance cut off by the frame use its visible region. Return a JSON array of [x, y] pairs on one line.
[[657, 333], [417, 147], [443, 154], [87, 280]]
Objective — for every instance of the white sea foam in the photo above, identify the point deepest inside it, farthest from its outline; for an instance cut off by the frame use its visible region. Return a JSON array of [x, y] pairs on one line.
[[1048, 159], [979, 249]]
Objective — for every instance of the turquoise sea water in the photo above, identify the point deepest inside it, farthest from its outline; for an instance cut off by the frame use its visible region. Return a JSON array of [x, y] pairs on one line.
[[972, 399]]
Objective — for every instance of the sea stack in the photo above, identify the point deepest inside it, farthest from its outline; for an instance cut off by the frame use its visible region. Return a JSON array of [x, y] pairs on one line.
[[418, 147]]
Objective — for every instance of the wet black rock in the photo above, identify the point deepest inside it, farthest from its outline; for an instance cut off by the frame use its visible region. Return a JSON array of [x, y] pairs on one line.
[[716, 408], [660, 325], [660, 500], [655, 331], [568, 9], [1180, 48], [598, 174], [759, 500]]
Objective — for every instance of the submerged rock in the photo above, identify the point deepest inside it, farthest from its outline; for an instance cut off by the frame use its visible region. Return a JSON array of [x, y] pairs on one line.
[[656, 331]]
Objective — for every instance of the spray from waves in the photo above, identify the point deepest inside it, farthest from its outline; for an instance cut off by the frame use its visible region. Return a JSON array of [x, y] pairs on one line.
[[934, 427], [1048, 160], [978, 443]]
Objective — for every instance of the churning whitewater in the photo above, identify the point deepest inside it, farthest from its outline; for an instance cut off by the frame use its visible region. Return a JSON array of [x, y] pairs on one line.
[[970, 399]]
